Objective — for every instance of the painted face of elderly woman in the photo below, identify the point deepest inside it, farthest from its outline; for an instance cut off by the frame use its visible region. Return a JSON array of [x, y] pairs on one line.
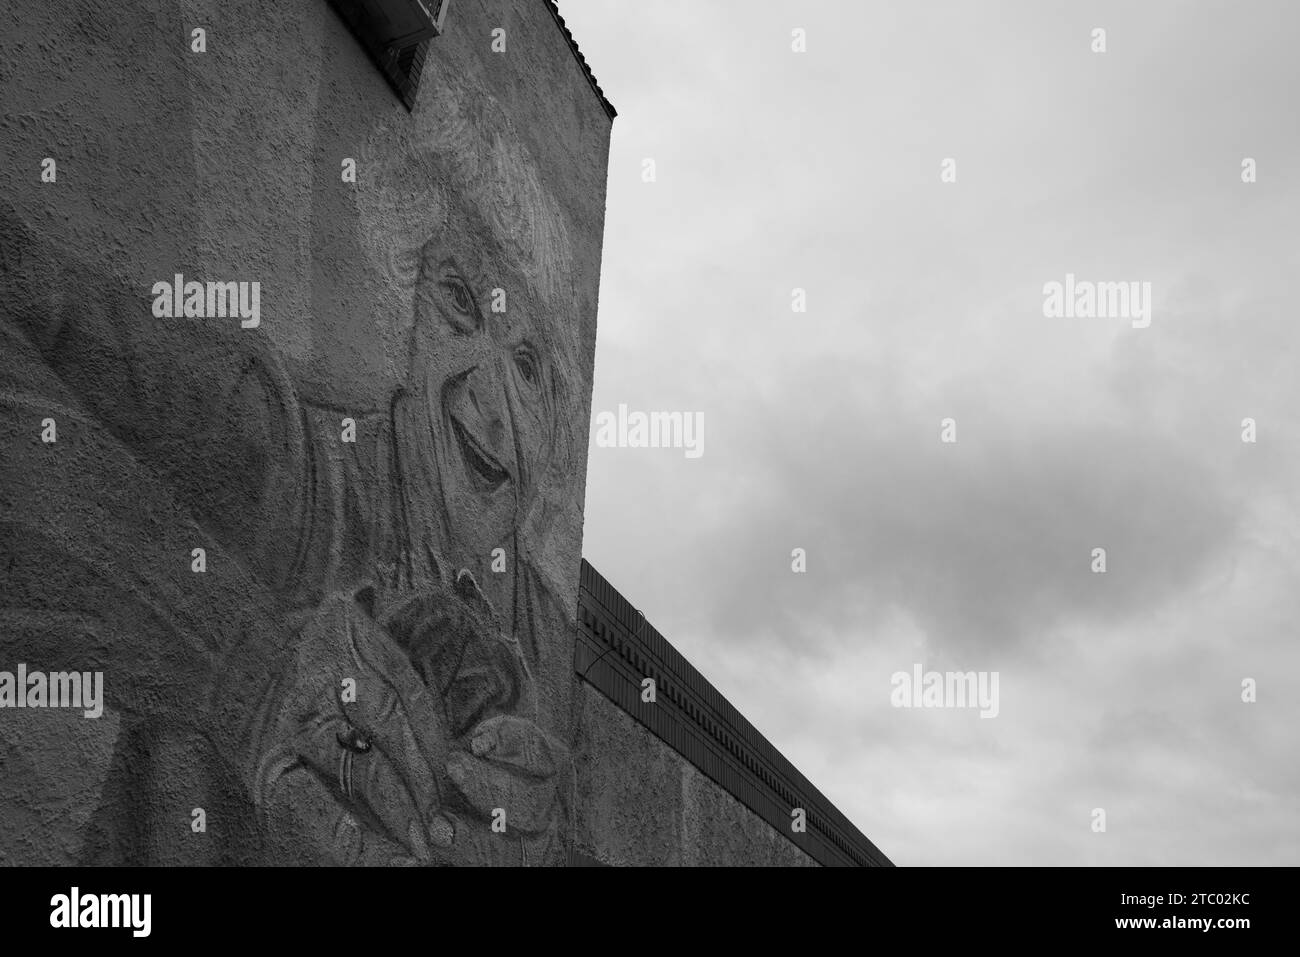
[[480, 385], [482, 424]]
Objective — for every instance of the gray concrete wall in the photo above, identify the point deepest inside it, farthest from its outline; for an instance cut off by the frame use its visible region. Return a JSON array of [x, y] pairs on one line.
[[640, 803], [327, 560]]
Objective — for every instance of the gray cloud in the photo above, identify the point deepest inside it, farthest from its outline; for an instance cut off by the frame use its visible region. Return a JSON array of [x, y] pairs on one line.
[[821, 171]]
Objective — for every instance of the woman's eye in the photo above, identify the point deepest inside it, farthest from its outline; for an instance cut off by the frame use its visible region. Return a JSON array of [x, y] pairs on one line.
[[460, 296], [526, 362]]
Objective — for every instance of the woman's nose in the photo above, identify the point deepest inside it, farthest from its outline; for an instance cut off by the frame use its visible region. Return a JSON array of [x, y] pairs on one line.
[[485, 391]]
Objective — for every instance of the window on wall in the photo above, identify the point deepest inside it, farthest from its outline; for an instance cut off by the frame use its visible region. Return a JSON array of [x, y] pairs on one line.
[[396, 34]]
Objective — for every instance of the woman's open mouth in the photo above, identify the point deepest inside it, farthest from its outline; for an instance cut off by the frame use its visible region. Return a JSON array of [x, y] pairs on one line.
[[482, 464]]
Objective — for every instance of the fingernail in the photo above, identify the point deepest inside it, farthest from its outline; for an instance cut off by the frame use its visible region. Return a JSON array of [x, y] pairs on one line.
[[348, 834], [441, 831], [455, 769], [418, 843], [483, 743]]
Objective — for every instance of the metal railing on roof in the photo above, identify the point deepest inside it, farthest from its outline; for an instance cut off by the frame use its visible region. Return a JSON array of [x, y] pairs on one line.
[[617, 649]]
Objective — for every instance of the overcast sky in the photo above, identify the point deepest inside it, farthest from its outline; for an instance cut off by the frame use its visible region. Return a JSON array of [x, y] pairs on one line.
[[821, 170]]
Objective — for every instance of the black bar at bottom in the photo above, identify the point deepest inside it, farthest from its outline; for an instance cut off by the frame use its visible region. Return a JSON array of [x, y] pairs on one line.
[[1161, 907]]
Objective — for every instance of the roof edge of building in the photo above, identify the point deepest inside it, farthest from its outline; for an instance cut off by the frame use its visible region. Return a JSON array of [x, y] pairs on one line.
[[582, 61], [616, 649]]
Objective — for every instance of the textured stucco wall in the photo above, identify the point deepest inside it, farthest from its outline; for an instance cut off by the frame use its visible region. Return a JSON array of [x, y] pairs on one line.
[[641, 804], [173, 433], [225, 166]]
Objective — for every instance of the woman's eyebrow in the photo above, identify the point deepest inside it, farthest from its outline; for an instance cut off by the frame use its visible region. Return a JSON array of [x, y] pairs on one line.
[[449, 264]]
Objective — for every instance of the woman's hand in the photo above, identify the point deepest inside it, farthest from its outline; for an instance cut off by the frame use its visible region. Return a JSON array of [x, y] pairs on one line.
[[457, 645], [357, 748], [511, 793], [507, 781]]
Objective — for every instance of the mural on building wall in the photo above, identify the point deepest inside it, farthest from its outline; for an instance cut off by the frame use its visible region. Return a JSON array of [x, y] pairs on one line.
[[320, 619]]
